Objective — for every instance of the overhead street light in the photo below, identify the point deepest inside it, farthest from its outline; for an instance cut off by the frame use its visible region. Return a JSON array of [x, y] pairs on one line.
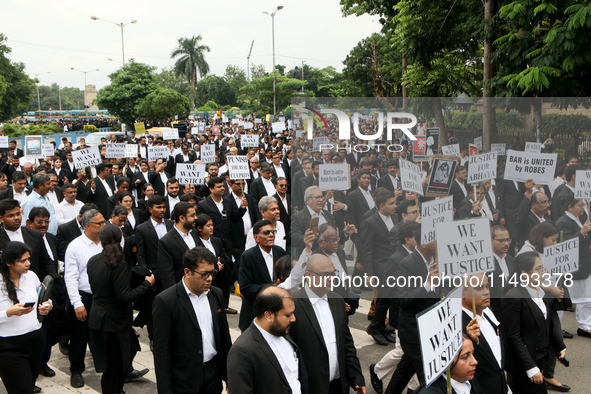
[[272, 15], [38, 101], [121, 25]]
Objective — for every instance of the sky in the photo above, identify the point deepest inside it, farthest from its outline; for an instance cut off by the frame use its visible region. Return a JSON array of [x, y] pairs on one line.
[[55, 36]]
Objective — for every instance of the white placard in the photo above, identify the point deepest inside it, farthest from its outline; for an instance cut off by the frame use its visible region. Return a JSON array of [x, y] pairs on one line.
[[248, 125], [478, 143], [258, 120], [191, 117], [318, 141], [562, 258], [282, 119], [437, 211], [498, 148], [533, 147], [451, 150], [240, 123], [115, 151], [201, 127], [300, 133], [249, 140], [464, 247], [235, 121], [207, 153], [224, 119], [170, 134], [193, 174], [158, 152], [410, 177], [86, 157], [482, 167], [47, 150], [238, 167], [334, 177], [278, 127], [522, 166], [440, 333], [131, 150], [4, 142], [583, 184]]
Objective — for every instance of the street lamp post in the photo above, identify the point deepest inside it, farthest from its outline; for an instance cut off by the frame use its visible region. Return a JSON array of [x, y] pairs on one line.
[[38, 101], [84, 72], [272, 15], [121, 25]]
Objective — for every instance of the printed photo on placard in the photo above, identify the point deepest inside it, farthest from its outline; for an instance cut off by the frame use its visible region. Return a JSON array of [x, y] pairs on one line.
[[442, 176]]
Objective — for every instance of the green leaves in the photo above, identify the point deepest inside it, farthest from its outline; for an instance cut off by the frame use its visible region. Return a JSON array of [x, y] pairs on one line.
[[162, 104], [16, 88]]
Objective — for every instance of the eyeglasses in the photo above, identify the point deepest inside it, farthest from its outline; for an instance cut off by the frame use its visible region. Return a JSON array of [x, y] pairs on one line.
[[267, 232], [504, 240], [42, 221], [99, 223], [324, 274], [282, 185], [207, 274], [317, 198], [547, 202], [332, 241]]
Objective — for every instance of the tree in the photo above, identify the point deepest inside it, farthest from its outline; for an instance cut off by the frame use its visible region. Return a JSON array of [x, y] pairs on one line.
[[16, 87], [49, 97], [257, 96], [129, 85], [215, 88], [167, 79], [162, 104], [257, 71], [236, 77], [191, 61]]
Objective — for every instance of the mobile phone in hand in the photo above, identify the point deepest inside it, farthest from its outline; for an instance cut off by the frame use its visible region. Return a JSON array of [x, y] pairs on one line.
[[29, 304], [314, 225]]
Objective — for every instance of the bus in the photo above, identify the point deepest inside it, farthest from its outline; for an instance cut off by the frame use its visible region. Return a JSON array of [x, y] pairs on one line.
[[71, 114]]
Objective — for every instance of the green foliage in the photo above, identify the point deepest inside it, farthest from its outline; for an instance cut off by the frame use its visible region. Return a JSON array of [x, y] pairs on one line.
[[215, 88], [191, 61], [116, 127], [17, 130], [456, 119], [90, 128], [257, 96], [167, 79], [129, 85], [72, 98], [257, 71], [206, 108], [566, 124], [163, 104], [16, 88]]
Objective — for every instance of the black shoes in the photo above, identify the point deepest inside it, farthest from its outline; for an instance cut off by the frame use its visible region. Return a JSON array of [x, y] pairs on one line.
[[48, 372], [583, 333], [390, 329], [76, 380], [64, 348], [376, 383], [36, 389], [566, 334], [135, 374], [151, 345], [389, 337], [377, 336], [231, 311], [564, 388]]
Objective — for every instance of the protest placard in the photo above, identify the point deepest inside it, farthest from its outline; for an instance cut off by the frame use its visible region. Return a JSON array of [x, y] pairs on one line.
[[562, 257], [241, 123], [201, 127], [27, 159], [47, 150], [235, 121], [318, 141], [131, 150], [224, 119], [533, 147], [170, 134], [583, 184], [482, 167], [158, 152], [249, 140], [282, 118], [410, 177], [215, 130], [258, 120], [437, 211], [139, 128], [522, 166], [278, 127], [300, 133], [193, 174], [4, 142], [440, 334], [33, 145], [115, 151], [86, 157], [432, 141], [208, 153], [478, 143], [248, 125], [451, 150], [334, 177], [473, 150], [464, 247], [498, 148], [442, 176], [238, 167], [419, 147]]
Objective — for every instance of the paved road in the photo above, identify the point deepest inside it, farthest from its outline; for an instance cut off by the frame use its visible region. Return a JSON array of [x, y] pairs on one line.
[[578, 375]]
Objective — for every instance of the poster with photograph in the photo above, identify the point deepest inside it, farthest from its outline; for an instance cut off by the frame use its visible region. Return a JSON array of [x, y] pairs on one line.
[[432, 141], [442, 175], [419, 148], [33, 145]]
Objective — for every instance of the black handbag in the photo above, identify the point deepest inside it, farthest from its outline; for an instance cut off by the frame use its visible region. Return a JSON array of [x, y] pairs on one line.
[[43, 293]]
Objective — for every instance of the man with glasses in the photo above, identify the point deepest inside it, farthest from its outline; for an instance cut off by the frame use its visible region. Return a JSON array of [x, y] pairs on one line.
[[284, 200], [175, 243], [69, 208], [408, 211], [269, 209], [504, 266], [199, 364], [38, 198], [79, 251], [257, 268], [458, 187], [533, 210]]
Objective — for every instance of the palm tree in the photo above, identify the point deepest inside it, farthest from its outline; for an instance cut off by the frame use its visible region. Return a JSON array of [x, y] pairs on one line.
[[191, 60]]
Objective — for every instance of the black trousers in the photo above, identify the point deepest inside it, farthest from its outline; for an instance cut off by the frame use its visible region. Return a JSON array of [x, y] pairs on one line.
[[212, 378], [401, 376], [79, 336], [413, 352], [335, 387], [378, 322], [20, 359], [114, 377], [522, 384]]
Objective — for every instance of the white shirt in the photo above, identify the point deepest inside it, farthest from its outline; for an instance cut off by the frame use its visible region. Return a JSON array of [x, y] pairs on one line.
[[394, 181], [573, 217], [294, 280], [172, 201], [49, 252], [160, 228], [269, 186], [131, 220], [321, 218], [489, 332], [15, 236], [52, 197], [460, 388], [220, 204], [79, 251], [503, 264], [537, 296], [65, 211], [463, 188], [107, 187], [387, 220], [279, 237], [284, 202], [207, 243], [327, 326], [26, 292], [557, 182], [20, 197], [286, 356], [279, 171], [370, 202], [187, 238], [246, 218], [203, 311], [268, 261]]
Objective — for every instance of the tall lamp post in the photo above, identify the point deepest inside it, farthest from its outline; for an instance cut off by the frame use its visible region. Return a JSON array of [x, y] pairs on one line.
[[84, 72], [272, 15], [121, 25], [38, 101]]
